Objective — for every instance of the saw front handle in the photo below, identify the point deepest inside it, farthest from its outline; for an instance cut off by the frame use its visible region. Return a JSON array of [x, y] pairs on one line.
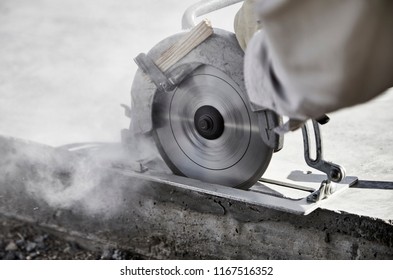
[[202, 8]]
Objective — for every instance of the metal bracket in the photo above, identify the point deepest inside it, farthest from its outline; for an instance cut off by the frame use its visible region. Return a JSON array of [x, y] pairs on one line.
[[165, 82], [323, 192], [147, 65]]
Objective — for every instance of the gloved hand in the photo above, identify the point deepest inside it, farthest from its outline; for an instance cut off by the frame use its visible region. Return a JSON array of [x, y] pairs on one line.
[[315, 56]]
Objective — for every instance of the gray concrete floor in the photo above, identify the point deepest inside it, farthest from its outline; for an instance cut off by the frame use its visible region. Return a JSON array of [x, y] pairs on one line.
[[65, 66]]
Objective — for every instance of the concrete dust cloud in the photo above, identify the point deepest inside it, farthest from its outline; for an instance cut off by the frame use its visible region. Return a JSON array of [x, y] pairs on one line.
[[69, 181]]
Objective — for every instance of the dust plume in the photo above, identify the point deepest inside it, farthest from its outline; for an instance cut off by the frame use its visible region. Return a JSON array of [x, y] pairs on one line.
[[82, 180]]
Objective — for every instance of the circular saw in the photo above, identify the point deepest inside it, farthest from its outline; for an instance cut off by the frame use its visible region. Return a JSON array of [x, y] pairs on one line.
[[189, 95], [189, 104]]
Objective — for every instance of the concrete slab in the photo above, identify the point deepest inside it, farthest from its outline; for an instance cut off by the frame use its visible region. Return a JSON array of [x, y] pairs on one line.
[[77, 197]]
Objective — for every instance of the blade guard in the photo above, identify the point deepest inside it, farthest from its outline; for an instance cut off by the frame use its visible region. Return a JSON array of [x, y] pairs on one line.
[[222, 51]]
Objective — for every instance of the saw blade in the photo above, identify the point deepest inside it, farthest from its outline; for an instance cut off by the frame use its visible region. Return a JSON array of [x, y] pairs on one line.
[[205, 130]]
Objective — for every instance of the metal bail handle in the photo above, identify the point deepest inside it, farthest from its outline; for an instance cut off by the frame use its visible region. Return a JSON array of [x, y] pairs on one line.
[[202, 8]]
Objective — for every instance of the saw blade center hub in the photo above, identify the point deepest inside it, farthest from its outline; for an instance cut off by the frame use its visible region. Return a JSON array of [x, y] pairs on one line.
[[209, 122], [205, 123]]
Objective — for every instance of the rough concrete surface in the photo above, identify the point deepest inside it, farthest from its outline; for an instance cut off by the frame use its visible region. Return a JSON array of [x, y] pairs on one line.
[[65, 66], [25, 241], [83, 198]]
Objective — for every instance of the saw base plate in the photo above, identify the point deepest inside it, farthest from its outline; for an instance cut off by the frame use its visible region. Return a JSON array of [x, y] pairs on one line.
[[283, 195]]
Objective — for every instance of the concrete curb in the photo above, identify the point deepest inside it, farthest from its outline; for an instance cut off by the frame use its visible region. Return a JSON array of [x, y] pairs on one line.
[[75, 196]]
